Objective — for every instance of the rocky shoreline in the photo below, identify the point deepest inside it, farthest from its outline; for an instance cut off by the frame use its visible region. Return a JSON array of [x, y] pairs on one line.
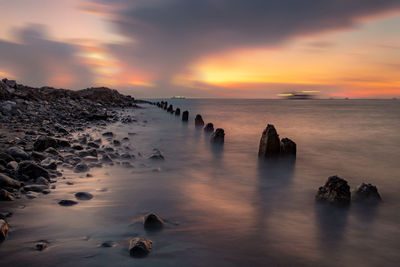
[[43, 129]]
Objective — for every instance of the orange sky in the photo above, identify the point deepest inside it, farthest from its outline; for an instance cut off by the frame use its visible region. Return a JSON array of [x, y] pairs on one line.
[[361, 61]]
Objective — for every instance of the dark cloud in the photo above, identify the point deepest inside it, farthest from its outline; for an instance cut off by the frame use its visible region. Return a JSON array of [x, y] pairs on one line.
[[36, 60], [169, 34]]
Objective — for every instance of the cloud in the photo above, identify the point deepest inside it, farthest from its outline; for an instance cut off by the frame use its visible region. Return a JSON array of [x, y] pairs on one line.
[[169, 34], [36, 60]]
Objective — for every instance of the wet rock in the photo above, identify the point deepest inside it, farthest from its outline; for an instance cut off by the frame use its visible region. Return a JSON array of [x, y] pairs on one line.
[[116, 143], [83, 196], [153, 222], [38, 156], [52, 150], [81, 167], [198, 121], [139, 247], [42, 181], [108, 244], [32, 170], [44, 142], [17, 153], [126, 164], [218, 136], [157, 155], [35, 188], [178, 112], [106, 158], [93, 144], [59, 128], [366, 193], [335, 191], [269, 143], [4, 230], [209, 128], [185, 116], [63, 143], [288, 147], [67, 202], [77, 147], [108, 134], [12, 165], [5, 195], [6, 181], [6, 157], [41, 245], [170, 109], [49, 163]]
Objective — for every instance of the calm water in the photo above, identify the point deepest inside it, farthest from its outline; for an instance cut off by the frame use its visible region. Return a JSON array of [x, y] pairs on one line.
[[224, 207]]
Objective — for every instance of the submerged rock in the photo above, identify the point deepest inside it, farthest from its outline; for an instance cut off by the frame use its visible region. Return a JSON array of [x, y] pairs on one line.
[[83, 196], [32, 170], [185, 116], [139, 247], [335, 191], [157, 154], [209, 128], [153, 222], [198, 121], [4, 230], [366, 193], [269, 144], [41, 245], [67, 202], [178, 112], [218, 136]]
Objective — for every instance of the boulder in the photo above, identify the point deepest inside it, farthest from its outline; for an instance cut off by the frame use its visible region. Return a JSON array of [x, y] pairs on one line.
[[185, 116], [218, 136], [44, 142], [83, 196], [198, 121], [4, 230], [32, 170], [17, 153], [5, 195], [6, 181], [139, 247], [209, 128], [269, 143], [178, 112], [366, 193], [153, 222], [335, 191], [288, 147]]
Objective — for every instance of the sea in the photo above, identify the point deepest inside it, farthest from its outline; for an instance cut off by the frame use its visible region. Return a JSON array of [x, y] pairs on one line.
[[221, 204]]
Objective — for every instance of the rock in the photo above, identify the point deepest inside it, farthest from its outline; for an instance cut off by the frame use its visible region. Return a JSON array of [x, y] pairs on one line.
[[83, 196], [198, 121], [67, 202], [37, 156], [63, 143], [178, 112], [81, 167], [17, 153], [49, 163], [5, 195], [170, 109], [42, 181], [108, 134], [153, 222], [116, 143], [77, 147], [6, 181], [12, 165], [269, 143], [108, 244], [139, 247], [288, 147], [6, 157], [157, 155], [366, 193], [209, 128], [59, 128], [4, 230], [44, 142], [35, 188], [335, 191], [93, 144], [32, 170], [218, 136], [41, 245], [106, 158], [185, 116], [52, 150]]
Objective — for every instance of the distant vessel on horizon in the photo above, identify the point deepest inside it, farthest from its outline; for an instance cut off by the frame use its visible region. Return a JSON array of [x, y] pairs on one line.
[[298, 95], [178, 97]]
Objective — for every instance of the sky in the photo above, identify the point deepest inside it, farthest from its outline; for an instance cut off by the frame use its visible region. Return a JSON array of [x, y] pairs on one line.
[[205, 48]]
